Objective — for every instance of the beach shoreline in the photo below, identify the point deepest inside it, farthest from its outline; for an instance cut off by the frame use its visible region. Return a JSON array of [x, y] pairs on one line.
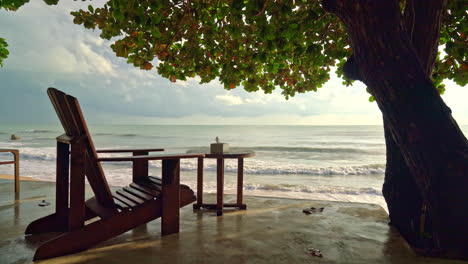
[[257, 193], [12, 177], [271, 230]]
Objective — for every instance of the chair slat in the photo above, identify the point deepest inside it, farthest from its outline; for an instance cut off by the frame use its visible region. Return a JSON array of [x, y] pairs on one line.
[[61, 108], [70, 114], [155, 180], [149, 191], [130, 197], [150, 185], [125, 200], [139, 194], [120, 205]]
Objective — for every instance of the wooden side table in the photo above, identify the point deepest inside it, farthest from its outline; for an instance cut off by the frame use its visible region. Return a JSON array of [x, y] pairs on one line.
[[220, 181], [15, 161]]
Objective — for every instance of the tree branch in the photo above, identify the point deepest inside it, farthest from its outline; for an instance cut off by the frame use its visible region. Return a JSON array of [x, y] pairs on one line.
[[263, 8], [423, 21], [351, 69]]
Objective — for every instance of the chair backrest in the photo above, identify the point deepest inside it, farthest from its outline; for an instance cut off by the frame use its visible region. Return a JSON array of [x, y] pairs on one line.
[[70, 115]]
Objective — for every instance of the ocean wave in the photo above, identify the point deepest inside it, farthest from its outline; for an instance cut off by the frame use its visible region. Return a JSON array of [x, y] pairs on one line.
[[293, 149], [371, 169], [313, 189], [41, 154], [103, 134], [127, 135], [273, 168], [115, 135], [309, 149], [251, 166], [38, 131]]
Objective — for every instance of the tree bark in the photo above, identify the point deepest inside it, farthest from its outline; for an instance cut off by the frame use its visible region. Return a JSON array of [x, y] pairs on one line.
[[422, 21], [401, 194], [430, 142]]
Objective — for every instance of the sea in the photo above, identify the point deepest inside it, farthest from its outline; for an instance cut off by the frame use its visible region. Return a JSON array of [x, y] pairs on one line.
[[337, 163]]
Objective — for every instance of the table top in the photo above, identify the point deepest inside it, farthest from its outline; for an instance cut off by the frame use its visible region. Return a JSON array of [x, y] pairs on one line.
[[230, 155], [8, 150]]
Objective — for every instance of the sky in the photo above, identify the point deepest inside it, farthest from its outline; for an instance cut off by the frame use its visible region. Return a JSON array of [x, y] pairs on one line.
[[48, 50]]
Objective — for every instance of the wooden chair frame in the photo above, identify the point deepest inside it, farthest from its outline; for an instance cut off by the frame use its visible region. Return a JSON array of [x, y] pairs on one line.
[[145, 199]]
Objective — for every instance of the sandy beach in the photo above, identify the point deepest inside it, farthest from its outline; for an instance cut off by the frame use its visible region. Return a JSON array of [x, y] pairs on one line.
[[271, 230], [11, 177]]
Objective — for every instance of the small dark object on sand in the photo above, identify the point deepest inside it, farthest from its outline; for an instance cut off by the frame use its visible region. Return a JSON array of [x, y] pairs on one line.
[[44, 203], [310, 210], [307, 212], [315, 252]]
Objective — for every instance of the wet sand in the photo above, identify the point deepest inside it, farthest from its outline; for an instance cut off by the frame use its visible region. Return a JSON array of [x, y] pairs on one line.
[[271, 230]]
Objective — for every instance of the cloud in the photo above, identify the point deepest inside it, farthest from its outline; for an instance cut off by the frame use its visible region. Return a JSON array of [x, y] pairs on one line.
[[93, 61], [47, 49], [229, 99]]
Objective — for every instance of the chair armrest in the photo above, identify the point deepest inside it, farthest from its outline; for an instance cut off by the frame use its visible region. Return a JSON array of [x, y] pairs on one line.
[[151, 157], [128, 150]]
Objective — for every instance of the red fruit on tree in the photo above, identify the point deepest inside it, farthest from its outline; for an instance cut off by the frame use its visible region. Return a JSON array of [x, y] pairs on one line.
[[148, 66]]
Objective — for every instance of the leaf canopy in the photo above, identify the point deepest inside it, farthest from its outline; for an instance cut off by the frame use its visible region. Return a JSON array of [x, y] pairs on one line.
[[259, 44]]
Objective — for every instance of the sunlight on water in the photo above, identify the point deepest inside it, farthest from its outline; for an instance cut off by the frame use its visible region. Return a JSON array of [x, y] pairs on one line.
[[341, 163]]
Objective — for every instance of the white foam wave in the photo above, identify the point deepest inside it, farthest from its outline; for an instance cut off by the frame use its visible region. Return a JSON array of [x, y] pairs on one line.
[[313, 189], [43, 154], [251, 166], [37, 131]]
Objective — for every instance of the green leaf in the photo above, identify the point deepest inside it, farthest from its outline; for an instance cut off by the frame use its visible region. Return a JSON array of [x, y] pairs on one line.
[[291, 45], [156, 33], [3, 51]]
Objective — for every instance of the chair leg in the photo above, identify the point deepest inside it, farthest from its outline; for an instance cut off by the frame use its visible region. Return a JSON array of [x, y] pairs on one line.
[[98, 231], [170, 197], [54, 223], [50, 223]]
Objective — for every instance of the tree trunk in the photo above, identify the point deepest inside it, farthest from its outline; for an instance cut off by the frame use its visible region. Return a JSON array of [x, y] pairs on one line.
[[401, 194], [422, 21], [431, 144]]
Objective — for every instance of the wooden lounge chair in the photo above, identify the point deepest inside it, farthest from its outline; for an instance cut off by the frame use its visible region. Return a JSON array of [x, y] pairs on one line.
[[145, 199]]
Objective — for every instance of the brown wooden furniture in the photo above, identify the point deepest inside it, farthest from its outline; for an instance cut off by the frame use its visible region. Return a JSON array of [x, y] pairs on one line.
[[220, 181], [15, 161], [145, 199]]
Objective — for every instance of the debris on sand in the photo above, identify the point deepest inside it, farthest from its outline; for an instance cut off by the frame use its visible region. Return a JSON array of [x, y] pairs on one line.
[[315, 252], [44, 203], [310, 210]]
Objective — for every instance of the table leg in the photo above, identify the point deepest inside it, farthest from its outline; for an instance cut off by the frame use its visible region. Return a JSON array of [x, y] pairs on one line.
[[17, 180], [199, 203], [219, 185], [240, 181]]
